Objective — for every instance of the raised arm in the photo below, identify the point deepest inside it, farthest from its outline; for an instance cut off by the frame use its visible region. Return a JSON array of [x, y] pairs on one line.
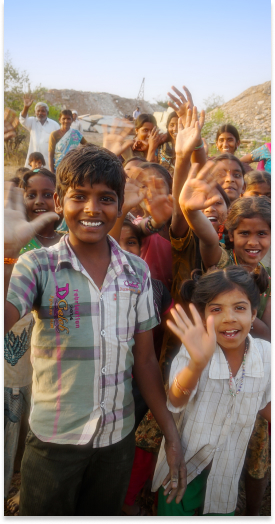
[[187, 139], [28, 101], [194, 197], [17, 233], [200, 343], [133, 194], [247, 159]]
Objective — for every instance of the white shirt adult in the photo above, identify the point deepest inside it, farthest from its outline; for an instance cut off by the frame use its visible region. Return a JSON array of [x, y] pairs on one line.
[[136, 113], [76, 124], [40, 128]]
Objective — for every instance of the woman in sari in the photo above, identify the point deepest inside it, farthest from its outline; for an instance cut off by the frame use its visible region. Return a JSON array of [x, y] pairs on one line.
[[63, 140]]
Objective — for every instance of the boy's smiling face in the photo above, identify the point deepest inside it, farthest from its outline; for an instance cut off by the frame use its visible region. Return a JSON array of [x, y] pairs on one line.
[[89, 211]]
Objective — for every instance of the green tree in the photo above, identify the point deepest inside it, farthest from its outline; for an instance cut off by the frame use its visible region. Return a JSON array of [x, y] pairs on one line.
[[212, 102]]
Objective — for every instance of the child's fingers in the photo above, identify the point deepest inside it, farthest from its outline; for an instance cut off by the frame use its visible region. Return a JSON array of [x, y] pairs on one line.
[[211, 201], [175, 99], [180, 95], [173, 106], [188, 118], [194, 116], [178, 332], [183, 315], [180, 124], [202, 118], [210, 327], [104, 129], [195, 314], [180, 317], [189, 96], [206, 172]]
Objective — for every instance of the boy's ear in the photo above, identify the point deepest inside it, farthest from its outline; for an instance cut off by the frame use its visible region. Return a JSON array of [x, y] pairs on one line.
[[58, 207]]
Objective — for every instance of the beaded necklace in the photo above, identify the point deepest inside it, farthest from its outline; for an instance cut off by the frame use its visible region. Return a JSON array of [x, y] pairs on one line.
[[243, 373]]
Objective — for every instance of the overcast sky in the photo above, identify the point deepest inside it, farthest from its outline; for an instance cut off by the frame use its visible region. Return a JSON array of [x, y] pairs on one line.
[[109, 46]]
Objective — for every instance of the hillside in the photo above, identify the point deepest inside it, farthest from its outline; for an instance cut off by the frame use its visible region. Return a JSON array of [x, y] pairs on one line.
[[98, 103]]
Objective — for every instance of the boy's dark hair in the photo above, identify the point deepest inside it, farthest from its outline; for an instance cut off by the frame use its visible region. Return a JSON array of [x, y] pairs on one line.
[[228, 128], [93, 164], [20, 171], [229, 156], [66, 112], [36, 156], [42, 171], [250, 207], [136, 158], [161, 171], [136, 230], [145, 117], [203, 289], [257, 177]]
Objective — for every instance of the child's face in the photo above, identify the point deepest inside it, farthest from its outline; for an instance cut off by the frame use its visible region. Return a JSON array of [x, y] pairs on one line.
[[173, 128], [227, 143], [144, 132], [232, 318], [229, 175], [90, 212], [216, 213], [128, 241], [36, 164], [38, 196], [252, 240], [131, 167], [262, 189]]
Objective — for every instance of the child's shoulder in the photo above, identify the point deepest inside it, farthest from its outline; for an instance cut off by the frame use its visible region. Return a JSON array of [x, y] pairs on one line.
[[137, 263]]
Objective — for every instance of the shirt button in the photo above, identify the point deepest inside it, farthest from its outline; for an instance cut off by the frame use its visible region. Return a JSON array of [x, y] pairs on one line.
[[102, 333], [101, 298], [102, 404], [228, 415], [103, 371], [198, 471], [217, 449]]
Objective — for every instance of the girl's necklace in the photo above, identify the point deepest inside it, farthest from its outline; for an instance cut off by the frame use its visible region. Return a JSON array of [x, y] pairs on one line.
[[237, 263], [55, 235], [243, 373]]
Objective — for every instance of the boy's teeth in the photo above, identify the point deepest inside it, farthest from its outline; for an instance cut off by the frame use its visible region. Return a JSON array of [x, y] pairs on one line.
[[253, 250], [93, 224], [40, 210]]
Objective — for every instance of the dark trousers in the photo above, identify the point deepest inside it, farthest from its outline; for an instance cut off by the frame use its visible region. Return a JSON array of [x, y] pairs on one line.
[[58, 480]]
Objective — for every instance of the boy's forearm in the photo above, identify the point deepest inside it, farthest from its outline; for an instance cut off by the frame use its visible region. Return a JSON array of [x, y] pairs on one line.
[[182, 165], [116, 229], [151, 155]]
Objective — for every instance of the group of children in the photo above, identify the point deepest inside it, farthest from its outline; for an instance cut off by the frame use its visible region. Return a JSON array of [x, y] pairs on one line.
[[91, 325]]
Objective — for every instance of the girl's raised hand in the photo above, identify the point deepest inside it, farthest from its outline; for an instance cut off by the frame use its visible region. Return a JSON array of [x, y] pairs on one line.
[[17, 230], [189, 136], [195, 192], [134, 193], [116, 141], [181, 104], [156, 138], [199, 341], [158, 204]]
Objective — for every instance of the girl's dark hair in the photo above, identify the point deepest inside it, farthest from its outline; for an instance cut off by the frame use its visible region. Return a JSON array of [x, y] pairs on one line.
[[257, 177], [136, 230], [229, 156], [250, 207], [42, 171], [145, 117], [93, 164], [66, 112], [138, 158], [201, 290], [224, 195], [161, 171], [228, 128], [36, 156]]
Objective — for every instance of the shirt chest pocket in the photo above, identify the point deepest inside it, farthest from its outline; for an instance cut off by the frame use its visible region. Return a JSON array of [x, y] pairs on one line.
[[126, 315]]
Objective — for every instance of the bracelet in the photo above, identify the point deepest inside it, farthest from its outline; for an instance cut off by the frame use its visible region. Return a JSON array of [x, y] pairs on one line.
[[199, 147], [184, 391], [150, 227], [10, 260]]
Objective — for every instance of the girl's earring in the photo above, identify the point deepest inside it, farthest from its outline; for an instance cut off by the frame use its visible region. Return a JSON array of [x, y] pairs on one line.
[[251, 326]]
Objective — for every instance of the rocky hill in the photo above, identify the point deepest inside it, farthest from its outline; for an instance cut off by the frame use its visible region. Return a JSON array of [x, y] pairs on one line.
[[85, 102], [250, 112]]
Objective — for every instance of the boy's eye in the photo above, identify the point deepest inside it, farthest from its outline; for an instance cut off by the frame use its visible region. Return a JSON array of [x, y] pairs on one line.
[[48, 195], [237, 175], [107, 199], [30, 195]]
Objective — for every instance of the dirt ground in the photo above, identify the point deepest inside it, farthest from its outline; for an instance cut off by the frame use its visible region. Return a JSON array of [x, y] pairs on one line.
[[146, 500]]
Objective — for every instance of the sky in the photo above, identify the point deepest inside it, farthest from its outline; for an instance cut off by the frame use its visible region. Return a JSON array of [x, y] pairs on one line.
[[110, 46]]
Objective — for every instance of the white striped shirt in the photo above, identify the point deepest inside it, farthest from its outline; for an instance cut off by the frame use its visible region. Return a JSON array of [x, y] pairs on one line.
[[215, 426]]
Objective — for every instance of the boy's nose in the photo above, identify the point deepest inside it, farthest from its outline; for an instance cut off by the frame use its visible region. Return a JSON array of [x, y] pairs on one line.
[[92, 207]]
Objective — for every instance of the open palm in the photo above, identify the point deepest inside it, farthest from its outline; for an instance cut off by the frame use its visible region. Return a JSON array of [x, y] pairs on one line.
[[116, 141], [17, 230], [195, 193]]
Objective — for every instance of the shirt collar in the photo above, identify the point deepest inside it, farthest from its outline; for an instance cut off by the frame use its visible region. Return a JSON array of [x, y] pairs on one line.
[[67, 256], [253, 363], [40, 122]]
